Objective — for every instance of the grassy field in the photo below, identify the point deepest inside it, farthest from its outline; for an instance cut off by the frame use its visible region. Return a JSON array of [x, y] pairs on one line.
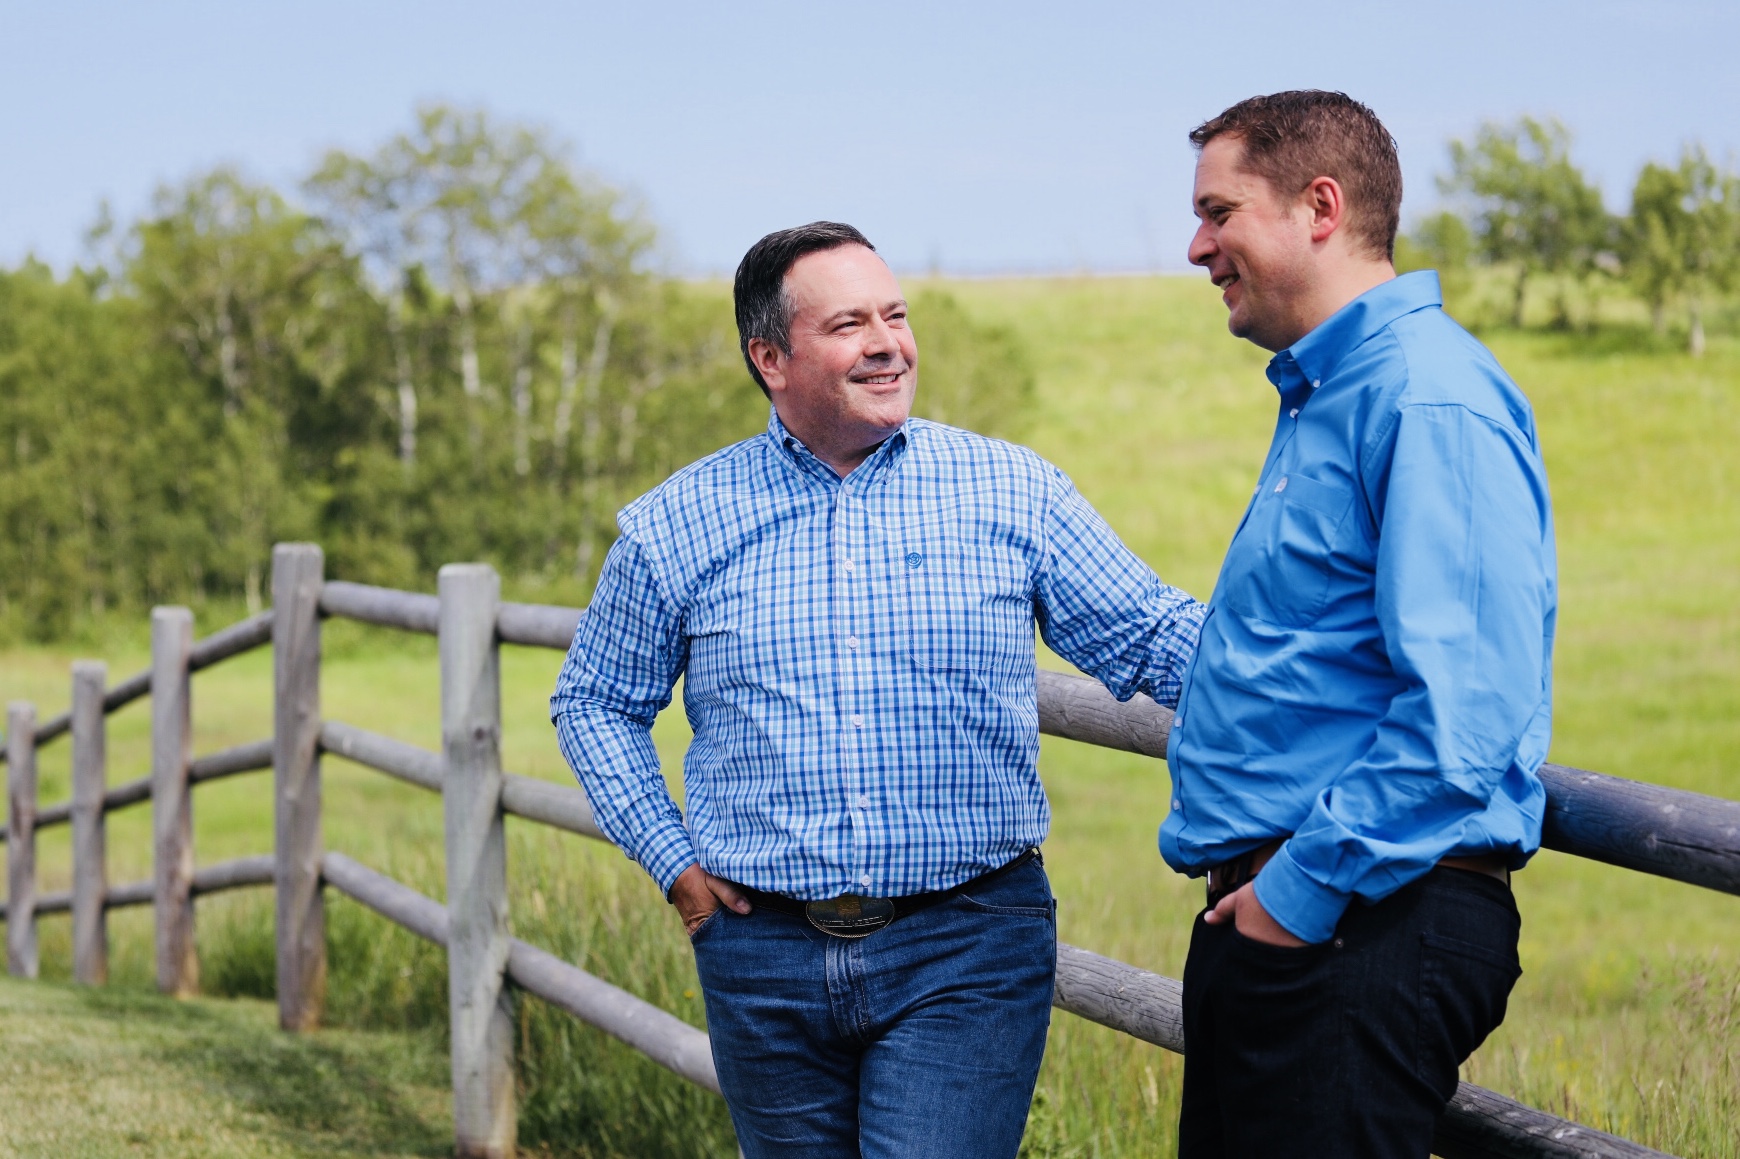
[[1626, 1015]]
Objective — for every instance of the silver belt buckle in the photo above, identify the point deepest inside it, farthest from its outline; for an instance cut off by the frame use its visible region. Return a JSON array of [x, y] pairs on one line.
[[850, 915]]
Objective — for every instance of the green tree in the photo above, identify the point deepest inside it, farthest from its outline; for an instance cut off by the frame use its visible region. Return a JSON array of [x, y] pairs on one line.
[[263, 338], [1530, 206], [1442, 242], [1682, 239]]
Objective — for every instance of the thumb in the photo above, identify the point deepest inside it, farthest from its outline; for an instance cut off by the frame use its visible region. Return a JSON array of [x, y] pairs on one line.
[[1226, 911], [729, 894]]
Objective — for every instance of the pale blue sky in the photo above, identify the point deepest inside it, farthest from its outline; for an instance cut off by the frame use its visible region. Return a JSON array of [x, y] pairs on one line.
[[980, 137]]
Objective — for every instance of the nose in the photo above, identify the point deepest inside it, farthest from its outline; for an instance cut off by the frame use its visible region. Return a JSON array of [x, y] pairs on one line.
[[1202, 246], [879, 339]]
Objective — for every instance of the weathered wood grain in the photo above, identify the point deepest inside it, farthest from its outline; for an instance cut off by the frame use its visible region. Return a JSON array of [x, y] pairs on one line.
[[539, 625], [241, 636], [1672, 833], [1082, 709], [663, 1037], [408, 762], [172, 800], [21, 948], [130, 894], [298, 570], [388, 607], [89, 830], [560, 806], [1118, 995], [1478, 1124], [242, 758], [480, 1006], [216, 878], [242, 871], [1482, 1124]]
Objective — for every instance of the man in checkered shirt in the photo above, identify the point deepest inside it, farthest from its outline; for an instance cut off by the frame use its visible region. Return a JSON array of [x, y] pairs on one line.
[[850, 599]]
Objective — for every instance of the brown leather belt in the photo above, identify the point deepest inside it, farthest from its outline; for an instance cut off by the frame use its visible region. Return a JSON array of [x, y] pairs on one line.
[[853, 915], [1231, 875]]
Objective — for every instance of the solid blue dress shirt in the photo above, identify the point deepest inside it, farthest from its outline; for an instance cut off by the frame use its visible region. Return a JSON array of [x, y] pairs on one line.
[[857, 658], [1374, 677]]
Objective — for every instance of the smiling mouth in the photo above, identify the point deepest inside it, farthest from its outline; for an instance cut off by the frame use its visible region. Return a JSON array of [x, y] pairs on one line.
[[1225, 282], [878, 379]]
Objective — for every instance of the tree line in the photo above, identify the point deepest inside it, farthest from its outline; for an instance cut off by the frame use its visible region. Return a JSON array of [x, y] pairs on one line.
[[453, 346], [1519, 206]]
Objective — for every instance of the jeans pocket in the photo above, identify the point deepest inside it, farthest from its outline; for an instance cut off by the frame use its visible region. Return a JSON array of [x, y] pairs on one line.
[[1269, 955], [1464, 991], [707, 923], [1022, 892]]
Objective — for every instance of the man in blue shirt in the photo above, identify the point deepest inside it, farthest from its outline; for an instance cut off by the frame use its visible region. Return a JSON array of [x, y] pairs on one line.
[[1355, 750], [850, 599]]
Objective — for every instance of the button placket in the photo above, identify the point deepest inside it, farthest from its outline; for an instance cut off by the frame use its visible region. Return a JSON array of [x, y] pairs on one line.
[[849, 522]]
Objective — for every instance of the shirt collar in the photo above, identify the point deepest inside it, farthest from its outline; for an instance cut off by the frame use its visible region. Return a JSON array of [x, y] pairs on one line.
[[881, 460], [1314, 357]]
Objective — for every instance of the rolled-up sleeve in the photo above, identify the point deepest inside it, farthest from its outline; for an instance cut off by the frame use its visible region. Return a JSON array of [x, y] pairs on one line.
[[1104, 610], [625, 659], [1463, 583]]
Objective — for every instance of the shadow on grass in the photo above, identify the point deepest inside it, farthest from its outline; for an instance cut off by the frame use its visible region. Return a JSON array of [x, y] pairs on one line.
[[329, 1091]]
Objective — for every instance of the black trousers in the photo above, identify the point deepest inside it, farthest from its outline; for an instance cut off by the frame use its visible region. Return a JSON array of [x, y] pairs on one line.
[[1348, 1049]]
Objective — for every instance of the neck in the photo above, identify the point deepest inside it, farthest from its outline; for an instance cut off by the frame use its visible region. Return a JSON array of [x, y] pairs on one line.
[[843, 448], [1347, 282]]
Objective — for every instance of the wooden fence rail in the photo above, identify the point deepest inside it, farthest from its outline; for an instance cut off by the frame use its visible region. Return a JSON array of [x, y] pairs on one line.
[[1683, 836]]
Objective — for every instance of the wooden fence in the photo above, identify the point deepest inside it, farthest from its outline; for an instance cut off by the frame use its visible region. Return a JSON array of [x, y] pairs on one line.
[[1684, 836]]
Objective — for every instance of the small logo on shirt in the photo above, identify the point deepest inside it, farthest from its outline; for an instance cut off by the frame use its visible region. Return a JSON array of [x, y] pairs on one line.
[[914, 559]]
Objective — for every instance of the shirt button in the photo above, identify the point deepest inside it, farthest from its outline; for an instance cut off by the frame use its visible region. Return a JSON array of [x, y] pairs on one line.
[[851, 641], [865, 880], [863, 802], [1294, 413], [1316, 382], [1177, 805], [848, 563], [857, 721]]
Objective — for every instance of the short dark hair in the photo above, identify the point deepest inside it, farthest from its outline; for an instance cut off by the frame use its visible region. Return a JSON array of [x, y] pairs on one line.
[[1293, 138], [763, 310]]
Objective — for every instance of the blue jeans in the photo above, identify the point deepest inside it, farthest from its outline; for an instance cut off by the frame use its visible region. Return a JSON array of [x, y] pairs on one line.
[[923, 1039]]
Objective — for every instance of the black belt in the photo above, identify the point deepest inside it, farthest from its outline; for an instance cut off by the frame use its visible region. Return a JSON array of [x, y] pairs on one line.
[[853, 915]]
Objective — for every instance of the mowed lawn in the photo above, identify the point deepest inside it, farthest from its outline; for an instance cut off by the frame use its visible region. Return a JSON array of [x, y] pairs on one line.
[[1627, 1014]]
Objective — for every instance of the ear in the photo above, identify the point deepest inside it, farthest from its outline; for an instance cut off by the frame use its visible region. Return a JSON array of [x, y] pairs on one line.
[[770, 360], [1326, 204]]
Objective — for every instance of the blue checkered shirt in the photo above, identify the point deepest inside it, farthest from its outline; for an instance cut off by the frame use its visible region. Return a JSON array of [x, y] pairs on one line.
[[857, 657]]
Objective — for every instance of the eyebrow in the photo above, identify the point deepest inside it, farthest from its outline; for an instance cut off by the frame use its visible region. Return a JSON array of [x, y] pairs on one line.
[[853, 312]]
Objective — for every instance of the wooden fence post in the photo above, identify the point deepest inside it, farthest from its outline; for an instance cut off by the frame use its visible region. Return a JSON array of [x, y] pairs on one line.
[[480, 1008], [297, 574], [21, 957], [90, 921], [171, 800]]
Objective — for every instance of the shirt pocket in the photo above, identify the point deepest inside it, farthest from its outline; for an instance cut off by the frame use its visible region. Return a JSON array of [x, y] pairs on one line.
[[1278, 568], [968, 607]]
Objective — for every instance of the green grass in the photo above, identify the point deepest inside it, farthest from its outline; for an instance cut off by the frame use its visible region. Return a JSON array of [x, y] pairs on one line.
[[119, 1072], [1625, 1018]]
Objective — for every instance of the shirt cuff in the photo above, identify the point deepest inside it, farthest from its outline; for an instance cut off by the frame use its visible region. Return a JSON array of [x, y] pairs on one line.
[[1305, 907], [664, 851]]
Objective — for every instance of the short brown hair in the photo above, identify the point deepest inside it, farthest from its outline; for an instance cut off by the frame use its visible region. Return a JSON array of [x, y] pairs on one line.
[[763, 310], [1293, 138]]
